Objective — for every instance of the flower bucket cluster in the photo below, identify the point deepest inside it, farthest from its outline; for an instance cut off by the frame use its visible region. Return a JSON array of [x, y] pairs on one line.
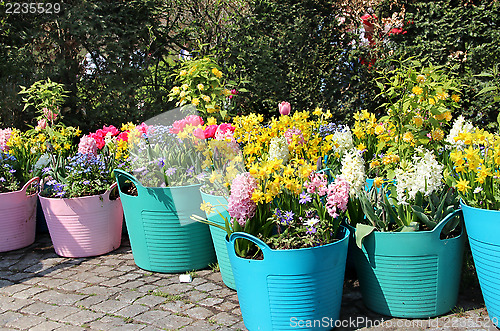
[[279, 198]]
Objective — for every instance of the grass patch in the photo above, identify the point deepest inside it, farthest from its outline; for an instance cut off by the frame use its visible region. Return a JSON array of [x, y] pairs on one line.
[[215, 267]]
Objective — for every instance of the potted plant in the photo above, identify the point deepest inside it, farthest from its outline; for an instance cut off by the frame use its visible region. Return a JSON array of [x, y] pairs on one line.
[[473, 171], [409, 245], [284, 239], [84, 216], [165, 178], [17, 191]]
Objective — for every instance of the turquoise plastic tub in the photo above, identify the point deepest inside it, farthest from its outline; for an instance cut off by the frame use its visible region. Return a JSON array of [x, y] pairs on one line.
[[162, 236], [290, 288], [410, 274], [219, 236], [483, 228]]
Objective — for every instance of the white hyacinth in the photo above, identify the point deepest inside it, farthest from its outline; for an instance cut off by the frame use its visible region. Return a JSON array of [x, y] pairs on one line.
[[423, 175], [343, 140], [459, 126], [353, 170], [278, 149]]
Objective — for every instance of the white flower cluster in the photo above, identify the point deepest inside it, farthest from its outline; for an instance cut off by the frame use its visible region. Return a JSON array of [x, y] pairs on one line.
[[424, 174], [353, 170], [278, 149], [459, 126], [342, 140]]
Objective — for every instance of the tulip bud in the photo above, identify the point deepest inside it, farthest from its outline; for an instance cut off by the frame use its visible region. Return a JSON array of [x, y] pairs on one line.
[[284, 108], [42, 124]]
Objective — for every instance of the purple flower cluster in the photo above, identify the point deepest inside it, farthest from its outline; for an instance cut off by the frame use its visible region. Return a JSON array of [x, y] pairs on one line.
[[284, 217]]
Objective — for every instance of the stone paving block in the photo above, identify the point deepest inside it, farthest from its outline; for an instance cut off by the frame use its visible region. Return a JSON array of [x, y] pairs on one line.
[[63, 273], [150, 300], [226, 319], [177, 288], [237, 311], [210, 302], [239, 326], [65, 327], [82, 317], [131, 276], [176, 306], [74, 286], [28, 293], [222, 293], [166, 281], [9, 317], [136, 284], [25, 322], [10, 290], [198, 281], [129, 295], [175, 322], [106, 322], [226, 306], [195, 296], [59, 312], [199, 313], [146, 288], [46, 326], [201, 326], [156, 318], [4, 262], [113, 282], [132, 327], [92, 300], [37, 308], [59, 298], [18, 276], [16, 304], [207, 287], [109, 306], [131, 310], [216, 277], [99, 290], [52, 282]]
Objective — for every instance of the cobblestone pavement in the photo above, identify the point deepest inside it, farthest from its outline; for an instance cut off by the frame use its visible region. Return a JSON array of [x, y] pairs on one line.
[[42, 291]]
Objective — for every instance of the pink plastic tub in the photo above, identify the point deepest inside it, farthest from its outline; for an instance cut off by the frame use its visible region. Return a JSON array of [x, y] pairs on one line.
[[86, 226], [17, 218]]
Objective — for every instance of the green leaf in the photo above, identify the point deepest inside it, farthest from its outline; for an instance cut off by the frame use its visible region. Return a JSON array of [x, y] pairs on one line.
[[362, 230]]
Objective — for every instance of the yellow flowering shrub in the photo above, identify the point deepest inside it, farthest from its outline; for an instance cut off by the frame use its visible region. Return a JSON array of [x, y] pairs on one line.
[[201, 84]]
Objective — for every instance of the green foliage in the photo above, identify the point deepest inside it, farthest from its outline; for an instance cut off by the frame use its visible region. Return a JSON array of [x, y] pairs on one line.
[[295, 51], [460, 34]]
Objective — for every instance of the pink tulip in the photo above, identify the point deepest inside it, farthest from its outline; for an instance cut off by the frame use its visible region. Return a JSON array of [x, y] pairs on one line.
[[284, 108]]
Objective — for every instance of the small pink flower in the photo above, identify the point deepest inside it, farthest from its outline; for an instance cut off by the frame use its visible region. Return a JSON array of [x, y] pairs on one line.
[[234, 92], [316, 183], [143, 128], [49, 114], [284, 108], [42, 124], [337, 196], [123, 136]]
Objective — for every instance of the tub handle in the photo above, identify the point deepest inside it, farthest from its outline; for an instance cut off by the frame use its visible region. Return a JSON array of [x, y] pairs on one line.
[[439, 227], [121, 176], [243, 235], [30, 182]]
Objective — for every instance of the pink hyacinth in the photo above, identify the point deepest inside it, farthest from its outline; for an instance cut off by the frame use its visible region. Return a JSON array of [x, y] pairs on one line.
[[337, 196], [316, 183], [4, 138], [290, 133], [241, 207], [87, 145]]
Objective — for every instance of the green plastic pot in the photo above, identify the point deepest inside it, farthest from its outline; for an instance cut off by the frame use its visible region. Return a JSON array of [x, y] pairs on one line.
[[410, 274], [219, 236], [162, 235]]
